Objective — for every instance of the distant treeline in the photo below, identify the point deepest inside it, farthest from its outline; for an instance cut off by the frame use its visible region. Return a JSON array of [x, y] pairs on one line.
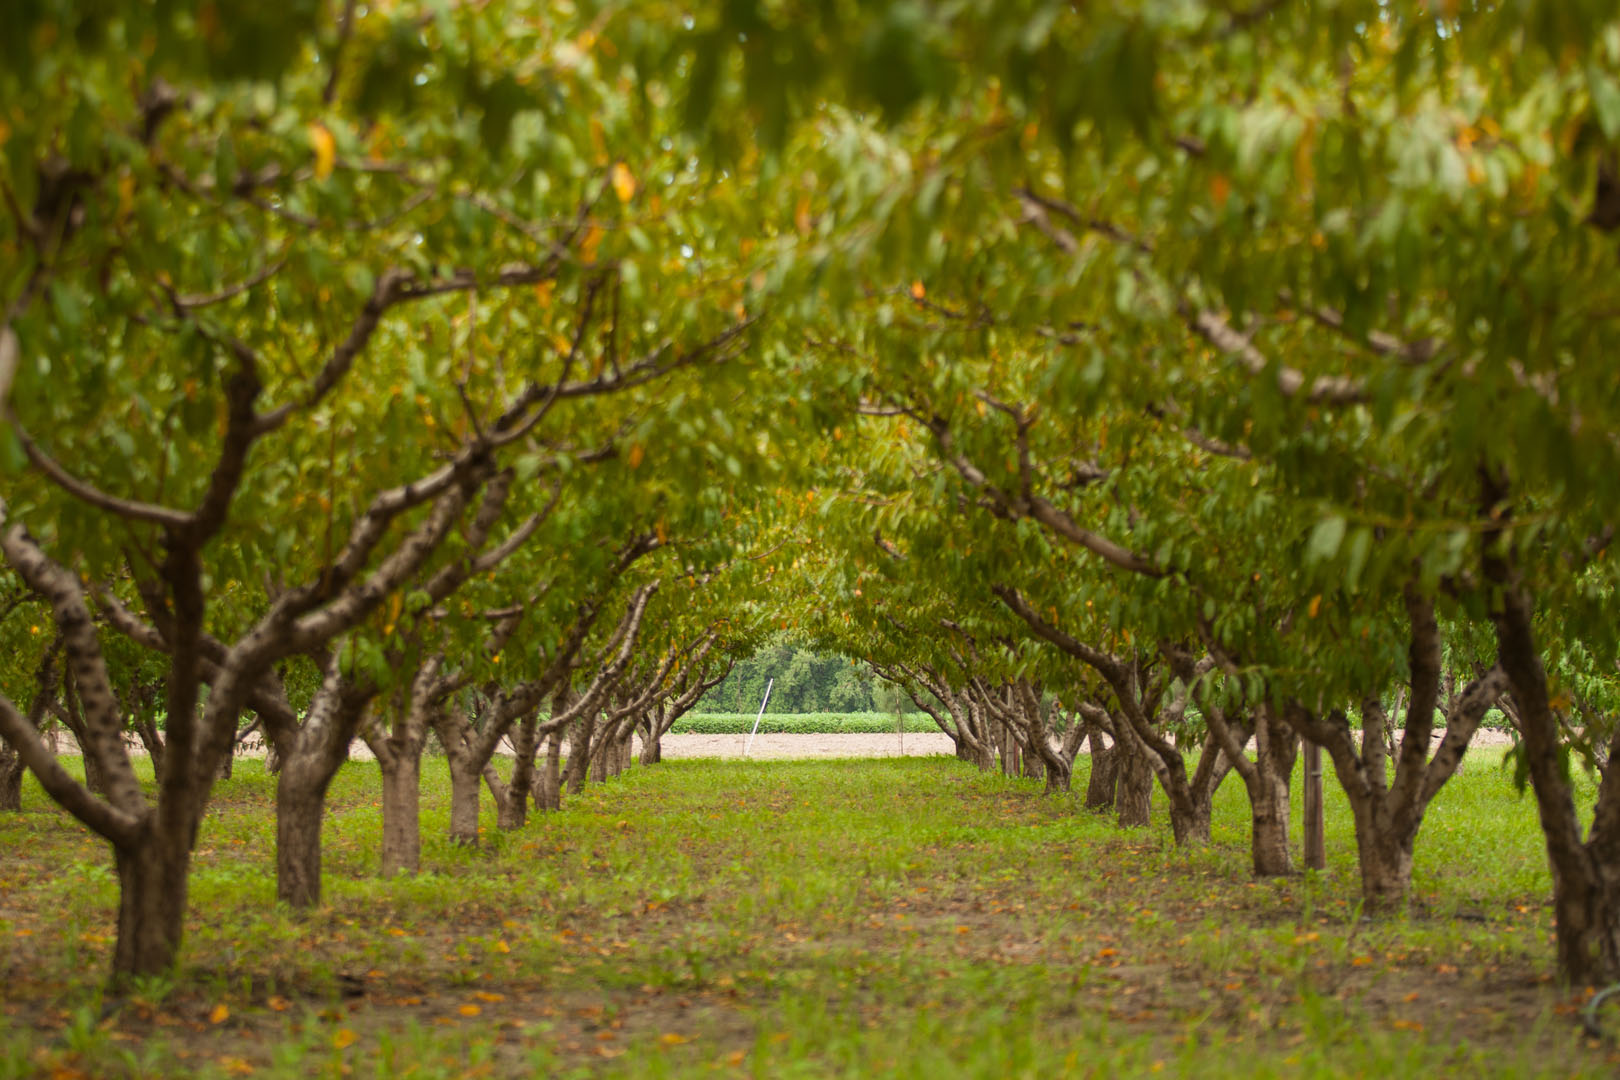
[[806, 682]]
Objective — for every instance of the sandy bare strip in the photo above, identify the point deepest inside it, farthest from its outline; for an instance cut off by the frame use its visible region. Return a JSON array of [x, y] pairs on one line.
[[766, 747], [917, 744]]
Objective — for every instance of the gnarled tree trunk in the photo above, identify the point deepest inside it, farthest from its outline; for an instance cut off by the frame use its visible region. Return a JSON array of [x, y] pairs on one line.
[[548, 792], [512, 801], [152, 881], [402, 814], [1104, 778], [1276, 748], [1134, 795], [300, 807]]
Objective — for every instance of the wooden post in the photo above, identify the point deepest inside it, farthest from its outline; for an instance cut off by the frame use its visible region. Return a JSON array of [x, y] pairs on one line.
[[1315, 837]]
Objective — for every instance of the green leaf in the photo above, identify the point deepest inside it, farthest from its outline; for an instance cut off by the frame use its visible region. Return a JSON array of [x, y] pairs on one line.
[[1325, 539]]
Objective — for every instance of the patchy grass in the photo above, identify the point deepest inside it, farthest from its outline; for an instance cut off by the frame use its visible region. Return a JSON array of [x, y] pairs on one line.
[[894, 917]]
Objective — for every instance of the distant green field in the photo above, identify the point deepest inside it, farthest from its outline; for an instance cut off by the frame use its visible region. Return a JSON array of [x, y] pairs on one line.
[[822, 723]]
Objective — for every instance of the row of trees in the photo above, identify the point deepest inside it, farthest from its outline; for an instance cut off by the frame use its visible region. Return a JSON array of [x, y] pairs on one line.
[[1166, 380], [1230, 377], [339, 401]]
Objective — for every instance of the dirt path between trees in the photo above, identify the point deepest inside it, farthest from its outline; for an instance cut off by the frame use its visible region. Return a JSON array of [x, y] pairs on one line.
[[773, 747]]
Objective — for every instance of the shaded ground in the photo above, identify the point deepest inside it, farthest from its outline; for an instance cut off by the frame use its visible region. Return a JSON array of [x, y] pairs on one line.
[[895, 917]]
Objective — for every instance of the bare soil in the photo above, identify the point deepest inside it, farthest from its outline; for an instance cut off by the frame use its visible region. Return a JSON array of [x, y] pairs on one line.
[[771, 747]]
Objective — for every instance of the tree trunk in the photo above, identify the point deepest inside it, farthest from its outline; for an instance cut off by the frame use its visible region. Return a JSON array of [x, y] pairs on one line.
[[652, 749], [1134, 796], [300, 806], [1276, 747], [548, 794], [464, 784], [11, 778], [1268, 833], [1386, 866], [1190, 819], [579, 754], [402, 813], [512, 804], [152, 739], [152, 879], [1058, 776], [1104, 774]]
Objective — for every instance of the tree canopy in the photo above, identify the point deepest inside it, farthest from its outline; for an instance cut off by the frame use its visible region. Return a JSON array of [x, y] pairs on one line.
[[1157, 379]]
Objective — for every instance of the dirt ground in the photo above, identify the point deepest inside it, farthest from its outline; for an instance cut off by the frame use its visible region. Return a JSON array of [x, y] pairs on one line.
[[774, 747]]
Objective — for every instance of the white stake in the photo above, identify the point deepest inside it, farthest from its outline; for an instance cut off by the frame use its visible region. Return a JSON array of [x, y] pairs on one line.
[[747, 746]]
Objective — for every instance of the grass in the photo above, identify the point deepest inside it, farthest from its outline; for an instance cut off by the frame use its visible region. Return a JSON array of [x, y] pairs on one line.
[[893, 917], [801, 724]]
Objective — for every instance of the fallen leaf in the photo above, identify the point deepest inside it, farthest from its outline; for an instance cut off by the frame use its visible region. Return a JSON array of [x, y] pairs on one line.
[[220, 1014], [470, 1010], [671, 1038], [488, 995], [279, 1003], [343, 1038]]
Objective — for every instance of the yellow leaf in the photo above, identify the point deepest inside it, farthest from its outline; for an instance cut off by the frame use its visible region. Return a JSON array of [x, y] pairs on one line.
[[343, 1038], [126, 188], [325, 147], [670, 1038], [470, 1010], [502, 947], [220, 1014], [917, 290], [487, 995], [624, 182], [801, 216], [236, 1066], [598, 141], [636, 454], [543, 291], [279, 1003], [592, 241], [1304, 164], [1316, 605]]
